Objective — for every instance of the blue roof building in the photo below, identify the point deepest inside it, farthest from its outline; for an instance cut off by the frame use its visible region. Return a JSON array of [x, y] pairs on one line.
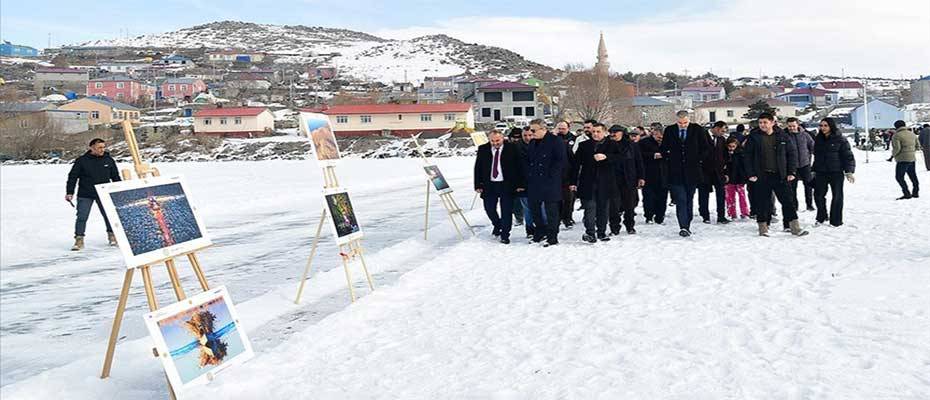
[[8, 49]]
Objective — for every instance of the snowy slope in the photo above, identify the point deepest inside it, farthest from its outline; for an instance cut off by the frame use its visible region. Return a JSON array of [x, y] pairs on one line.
[[355, 54], [841, 313]]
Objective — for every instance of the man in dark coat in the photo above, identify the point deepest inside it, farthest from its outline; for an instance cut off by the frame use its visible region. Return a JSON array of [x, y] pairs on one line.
[[545, 157], [924, 139], [684, 147], [713, 175], [568, 196], [630, 177], [94, 167], [595, 182], [655, 191], [498, 177], [771, 162], [804, 143]]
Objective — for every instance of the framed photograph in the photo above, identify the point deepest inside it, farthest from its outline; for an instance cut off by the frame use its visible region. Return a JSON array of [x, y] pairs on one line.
[[153, 219], [317, 127], [198, 337], [479, 137], [439, 181], [342, 215]]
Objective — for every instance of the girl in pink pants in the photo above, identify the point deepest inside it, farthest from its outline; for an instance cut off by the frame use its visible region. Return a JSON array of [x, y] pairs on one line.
[[736, 180]]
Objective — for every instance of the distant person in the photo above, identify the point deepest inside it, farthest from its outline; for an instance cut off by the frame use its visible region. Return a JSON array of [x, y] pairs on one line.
[[804, 143], [735, 176], [630, 177], [713, 175], [740, 133], [903, 148], [92, 168], [685, 147], [833, 160], [924, 139], [568, 196], [595, 181], [515, 136], [499, 177], [772, 163], [655, 190], [545, 159]]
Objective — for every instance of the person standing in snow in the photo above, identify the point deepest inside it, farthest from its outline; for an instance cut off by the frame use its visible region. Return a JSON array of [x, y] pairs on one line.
[[713, 175], [93, 167], [545, 158], [630, 176], [595, 182], [498, 177], [771, 162], [903, 148], [924, 139], [685, 147], [833, 159], [655, 190], [568, 196], [804, 143]]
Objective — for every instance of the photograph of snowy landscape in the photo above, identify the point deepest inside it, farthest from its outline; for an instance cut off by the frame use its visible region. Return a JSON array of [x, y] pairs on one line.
[[716, 199]]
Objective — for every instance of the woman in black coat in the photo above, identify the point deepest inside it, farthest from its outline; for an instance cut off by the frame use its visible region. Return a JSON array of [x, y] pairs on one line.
[[833, 161]]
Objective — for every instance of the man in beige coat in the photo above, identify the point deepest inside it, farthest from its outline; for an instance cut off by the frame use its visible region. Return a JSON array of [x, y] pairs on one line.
[[903, 146]]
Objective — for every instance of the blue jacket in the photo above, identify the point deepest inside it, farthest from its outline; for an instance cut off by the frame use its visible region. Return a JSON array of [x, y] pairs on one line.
[[545, 159]]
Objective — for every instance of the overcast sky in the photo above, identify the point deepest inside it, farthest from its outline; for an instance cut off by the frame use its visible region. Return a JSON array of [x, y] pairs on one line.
[[889, 38]]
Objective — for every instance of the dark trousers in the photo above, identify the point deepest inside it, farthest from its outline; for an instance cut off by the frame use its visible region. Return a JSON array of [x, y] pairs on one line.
[[704, 200], [835, 182], [518, 209], [546, 219], [926, 152], [497, 193], [623, 207], [83, 207], [595, 216], [803, 174], [769, 183], [910, 169], [655, 201], [567, 206], [683, 196]]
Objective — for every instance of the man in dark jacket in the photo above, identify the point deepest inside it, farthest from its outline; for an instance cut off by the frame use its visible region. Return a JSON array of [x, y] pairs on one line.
[[568, 197], [545, 157], [685, 147], [804, 143], [924, 139], [498, 177], [655, 190], [630, 177], [713, 175], [595, 182], [771, 162], [833, 160], [95, 166]]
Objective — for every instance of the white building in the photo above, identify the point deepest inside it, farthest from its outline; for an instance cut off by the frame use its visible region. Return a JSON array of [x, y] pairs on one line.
[[844, 89]]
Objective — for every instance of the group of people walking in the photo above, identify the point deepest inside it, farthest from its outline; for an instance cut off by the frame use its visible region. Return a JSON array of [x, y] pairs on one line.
[[536, 176]]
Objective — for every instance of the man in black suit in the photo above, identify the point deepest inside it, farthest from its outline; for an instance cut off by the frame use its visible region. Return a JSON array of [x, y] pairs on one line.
[[499, 175], [685, 146], [713, 175]]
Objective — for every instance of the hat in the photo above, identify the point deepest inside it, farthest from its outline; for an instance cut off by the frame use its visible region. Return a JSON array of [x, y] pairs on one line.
[[617, 128]]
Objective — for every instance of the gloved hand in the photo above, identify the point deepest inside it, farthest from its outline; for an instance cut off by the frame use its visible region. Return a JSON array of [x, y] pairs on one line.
[[850, 177]]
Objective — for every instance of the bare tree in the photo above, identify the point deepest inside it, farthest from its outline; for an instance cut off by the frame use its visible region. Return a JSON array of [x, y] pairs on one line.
[[28, 136], [584, 99]]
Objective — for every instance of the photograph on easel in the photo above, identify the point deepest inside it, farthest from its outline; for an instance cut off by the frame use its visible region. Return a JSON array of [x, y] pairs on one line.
[[479, 137], [153, 219], [438, 180], [198, 337], [317, 127], [344, 223]]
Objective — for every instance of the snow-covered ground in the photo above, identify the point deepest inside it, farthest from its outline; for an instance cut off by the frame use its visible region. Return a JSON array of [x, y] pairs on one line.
[[841, 313]]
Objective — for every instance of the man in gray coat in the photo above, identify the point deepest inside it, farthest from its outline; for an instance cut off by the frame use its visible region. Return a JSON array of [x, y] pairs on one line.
[[924, 139], [804, 143], [903, 146]]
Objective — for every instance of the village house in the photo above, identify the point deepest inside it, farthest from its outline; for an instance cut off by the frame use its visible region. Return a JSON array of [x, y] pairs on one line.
[[181, 88], [102, 111], [802, 97], [504, 99], [125, 67], [399, 119], [269, 75], [120, 88], [880, 115], [235, 56], [234, 122], [60, 80], [175, 60], [321, 73], [654, 110], [732, 111], [920, 90], [701, 94], [467, 89], [843, 89]]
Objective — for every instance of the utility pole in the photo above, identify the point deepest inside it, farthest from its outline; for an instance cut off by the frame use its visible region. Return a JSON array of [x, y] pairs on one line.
[[865, 112]]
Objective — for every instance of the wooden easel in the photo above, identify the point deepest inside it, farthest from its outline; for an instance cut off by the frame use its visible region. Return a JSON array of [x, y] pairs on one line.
[[144, 170], [347, 251], [448, 201]]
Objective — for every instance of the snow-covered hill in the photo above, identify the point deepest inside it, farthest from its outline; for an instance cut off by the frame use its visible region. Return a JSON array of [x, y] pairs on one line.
[[354, 53]]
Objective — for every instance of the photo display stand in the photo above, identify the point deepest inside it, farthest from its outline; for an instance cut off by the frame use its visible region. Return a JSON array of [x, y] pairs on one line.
[[142, 171], [448, 201], [479, 138], [348, 251]]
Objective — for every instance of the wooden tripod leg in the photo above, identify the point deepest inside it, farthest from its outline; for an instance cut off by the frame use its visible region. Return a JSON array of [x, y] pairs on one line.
[[450, 211], [474, 200], [426, 213], [316, 241], [345, 266], [361, 257], [175, 279], [462, 214], [195, 265], [117, 322], [149, 289]]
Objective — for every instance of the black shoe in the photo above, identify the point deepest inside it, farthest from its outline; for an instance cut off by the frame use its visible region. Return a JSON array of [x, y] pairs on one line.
[[551, 244], [905, 197], [630, 231], [529, 236], [614, 232], [706, 220], [588, 238], [914, 195], [723, 221], [505, 240], [810, 208], [496, 232], [660, 222], [648, 220], [684, 233], [603, 238], [538, 239]]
